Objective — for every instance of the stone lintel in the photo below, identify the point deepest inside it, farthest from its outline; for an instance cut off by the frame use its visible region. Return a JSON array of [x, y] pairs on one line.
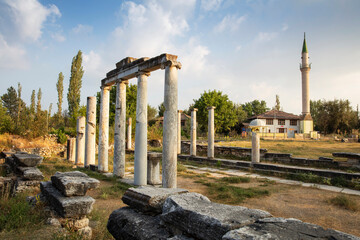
[[128, 70], [125, 62]]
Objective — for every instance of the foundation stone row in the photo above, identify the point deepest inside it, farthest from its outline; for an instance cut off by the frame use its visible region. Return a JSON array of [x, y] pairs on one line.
[[66, 196], [158, 213], [21, 172]]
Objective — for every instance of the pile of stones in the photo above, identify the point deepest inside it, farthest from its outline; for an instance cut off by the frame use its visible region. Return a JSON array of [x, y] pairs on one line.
[[21, 172], [65, 195], [176, 214]]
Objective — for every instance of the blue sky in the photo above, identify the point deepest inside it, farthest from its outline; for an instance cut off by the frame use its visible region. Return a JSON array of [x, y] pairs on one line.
[[248, 49]]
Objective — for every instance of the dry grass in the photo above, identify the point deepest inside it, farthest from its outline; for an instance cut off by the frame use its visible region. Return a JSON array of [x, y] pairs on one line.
[[307, 148], [8, 142]]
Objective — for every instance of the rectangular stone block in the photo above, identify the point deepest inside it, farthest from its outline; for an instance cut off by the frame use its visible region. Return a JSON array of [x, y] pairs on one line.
[[66, 206], [73, 183], [27, 160], [149, 199], [7, 186], [23, 185], [195, 215], [5, 154], [30, 173]]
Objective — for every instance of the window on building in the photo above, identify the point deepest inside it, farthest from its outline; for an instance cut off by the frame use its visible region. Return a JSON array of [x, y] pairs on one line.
[[293, 122], [281, 122], [269, 121], [282, 130]]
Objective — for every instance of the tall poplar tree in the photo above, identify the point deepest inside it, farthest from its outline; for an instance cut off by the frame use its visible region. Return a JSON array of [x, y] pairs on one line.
[[60, 90], [277, 103], [38, 105], [32, 104], [73, 95]]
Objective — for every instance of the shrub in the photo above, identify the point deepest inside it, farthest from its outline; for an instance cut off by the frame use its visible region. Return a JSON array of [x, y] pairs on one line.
[[62, 138], [344, 202]]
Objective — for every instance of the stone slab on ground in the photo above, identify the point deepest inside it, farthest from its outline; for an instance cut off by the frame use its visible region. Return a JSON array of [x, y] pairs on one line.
[[66, 206], [30, 173], [195, 215], [128, 224], [149, 199], [27, 160], [5, 154], [281, 228], [73, 183], [347, 155]]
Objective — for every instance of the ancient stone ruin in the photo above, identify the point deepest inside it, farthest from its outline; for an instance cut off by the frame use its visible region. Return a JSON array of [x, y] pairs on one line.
[[21, 173], [66, 196], [163, 213]]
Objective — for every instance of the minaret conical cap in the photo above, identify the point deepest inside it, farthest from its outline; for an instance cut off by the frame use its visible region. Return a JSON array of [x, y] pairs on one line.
[[304, 49]]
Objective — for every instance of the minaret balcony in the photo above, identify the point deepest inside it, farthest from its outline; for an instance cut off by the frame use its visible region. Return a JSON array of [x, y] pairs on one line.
[[305, 65]]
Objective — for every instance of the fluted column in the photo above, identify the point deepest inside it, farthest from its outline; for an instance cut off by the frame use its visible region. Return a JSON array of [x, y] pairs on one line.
[[211, 133], [120, 129], [255, 150], [193, 133], [169, 161], [80, 141], [129, 133], [90, 134], [179, 132], [104, 130], [140, 158]]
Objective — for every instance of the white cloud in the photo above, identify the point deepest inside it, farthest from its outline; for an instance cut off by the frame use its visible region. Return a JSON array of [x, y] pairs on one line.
[[266, 36], [284, 27], [12, 57], [58, 37], [194, 59], [238, 48], [82, 29], [94, 66], [210, 5], [229, 22], [28, 17]]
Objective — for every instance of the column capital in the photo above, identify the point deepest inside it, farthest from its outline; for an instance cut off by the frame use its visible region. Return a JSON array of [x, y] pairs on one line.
[[194, 110], [180, 111], [125, 81], [142, 73], [106, 88], [210, 107], [171, 63]]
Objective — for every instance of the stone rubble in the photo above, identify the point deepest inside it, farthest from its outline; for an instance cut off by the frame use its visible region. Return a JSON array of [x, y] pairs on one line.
[[66, 196], [191, 216], [21, 172]]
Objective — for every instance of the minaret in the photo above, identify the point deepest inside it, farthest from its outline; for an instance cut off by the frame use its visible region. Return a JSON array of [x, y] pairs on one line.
[[306, 123], [305, 69]]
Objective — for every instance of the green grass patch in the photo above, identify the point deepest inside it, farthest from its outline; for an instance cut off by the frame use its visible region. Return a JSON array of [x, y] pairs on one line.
[[344, 201], [16, 213], [115, 191], [237, 179]]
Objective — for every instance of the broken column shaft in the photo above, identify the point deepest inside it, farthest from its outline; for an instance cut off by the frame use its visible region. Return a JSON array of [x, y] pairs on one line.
[[80, 141], [104, 129], [193, 133], [179, 132], [90, 134], [211, 133]]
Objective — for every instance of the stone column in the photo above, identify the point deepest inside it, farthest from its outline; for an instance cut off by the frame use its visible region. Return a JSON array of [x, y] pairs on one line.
[[211, 133], [90, 134], [129, 134], [169, 160], [140, 158], [80, 141], [71, 149], [193, 133], [120, 129], [179, 132], [104, 129], [153, 170], [255, 150]]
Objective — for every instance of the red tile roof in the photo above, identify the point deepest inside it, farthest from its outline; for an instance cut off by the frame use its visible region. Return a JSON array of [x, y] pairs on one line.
[[272, 114]]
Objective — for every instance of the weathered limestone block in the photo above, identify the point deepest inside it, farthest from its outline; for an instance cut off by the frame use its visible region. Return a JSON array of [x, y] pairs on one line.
[[180, 237], [149, 199], [281, 228], [30, 173], [10, 161], [5, 154], [195, 215], [66, 206], [86, 232], [128, 224], [7, 186], [22, 185], [73, 183], [73, 223], [27, 160]]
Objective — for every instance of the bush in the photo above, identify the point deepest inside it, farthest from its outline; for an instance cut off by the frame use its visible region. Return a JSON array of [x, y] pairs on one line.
[[344, 202], [62, 138]]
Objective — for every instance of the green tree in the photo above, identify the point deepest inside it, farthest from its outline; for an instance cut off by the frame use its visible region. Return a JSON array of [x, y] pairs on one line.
[[225, 115], [161, 109], [32, 105], [277, 103], [38, 104], [10, 102], [20, 104], [60, 90], [6, 123], [255, 107], [75, 84], [151, 112]]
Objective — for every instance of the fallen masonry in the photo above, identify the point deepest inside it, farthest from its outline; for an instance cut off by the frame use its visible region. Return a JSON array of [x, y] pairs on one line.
[[21, 172], [186, 216], [66, 196]]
